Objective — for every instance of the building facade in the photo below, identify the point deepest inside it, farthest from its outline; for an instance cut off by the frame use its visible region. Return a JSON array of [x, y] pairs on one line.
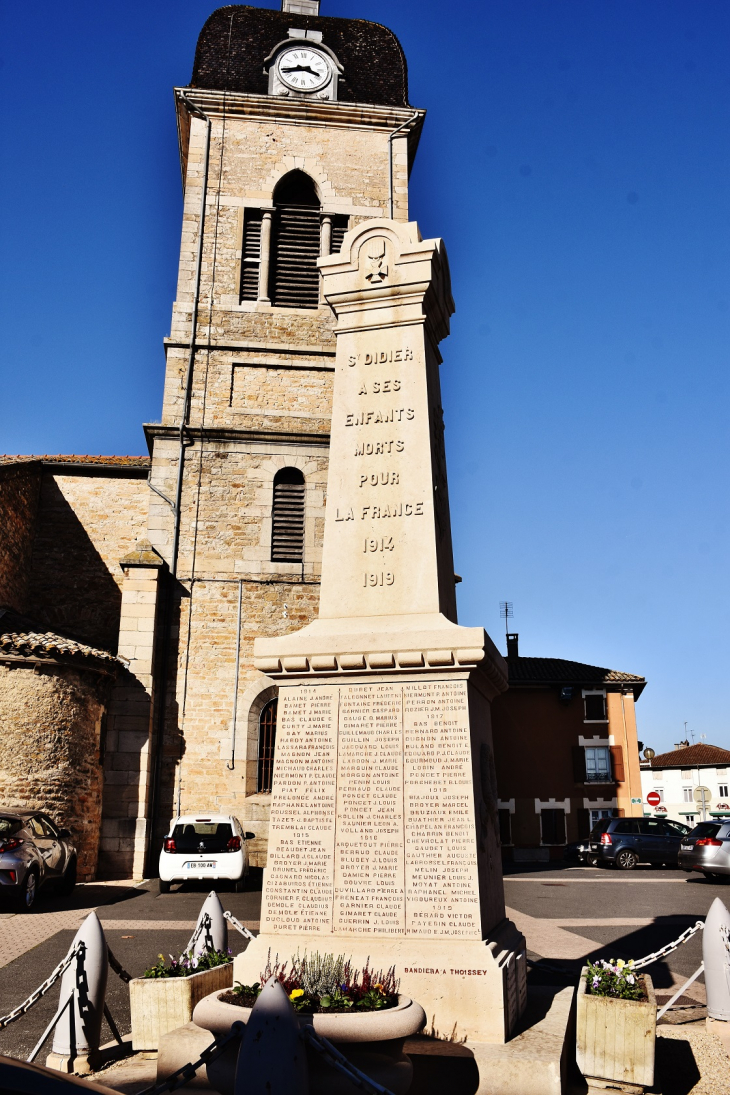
[[163, 569], [294, 128], [566, 752], [673, 778]]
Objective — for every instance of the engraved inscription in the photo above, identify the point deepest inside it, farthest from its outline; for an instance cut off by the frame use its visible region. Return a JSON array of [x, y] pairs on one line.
[[372, 822], [369, 881], [379, 578], [442, 891], [380, 479], [300, 869], [380, 357], [379, 448], [373, 418]]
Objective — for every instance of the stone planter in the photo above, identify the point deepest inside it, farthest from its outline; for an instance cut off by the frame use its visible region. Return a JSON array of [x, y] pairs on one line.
[[615, 1038], [373, 1041], [160, 1004]]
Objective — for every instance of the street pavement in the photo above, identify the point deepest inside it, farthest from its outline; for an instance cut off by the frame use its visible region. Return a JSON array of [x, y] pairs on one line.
[[566, 913]]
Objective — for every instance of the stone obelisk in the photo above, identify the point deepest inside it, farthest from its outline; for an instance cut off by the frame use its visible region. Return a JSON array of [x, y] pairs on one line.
[[383, 840]]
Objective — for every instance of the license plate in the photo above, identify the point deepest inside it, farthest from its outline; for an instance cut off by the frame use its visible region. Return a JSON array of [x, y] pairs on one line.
[[687, 847], [199, 866]]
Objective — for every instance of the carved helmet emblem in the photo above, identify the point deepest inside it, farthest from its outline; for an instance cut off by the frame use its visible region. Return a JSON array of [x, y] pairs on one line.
[[376, 260]]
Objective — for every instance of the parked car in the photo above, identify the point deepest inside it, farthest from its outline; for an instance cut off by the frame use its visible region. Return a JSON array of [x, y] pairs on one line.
[[212, 847], [33, 853], [627, 841], [578, 851], [707, 849]]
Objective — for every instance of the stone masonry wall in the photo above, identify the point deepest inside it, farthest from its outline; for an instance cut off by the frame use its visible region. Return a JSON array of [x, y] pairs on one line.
[[19, 491], [86, 524], [50, 724]]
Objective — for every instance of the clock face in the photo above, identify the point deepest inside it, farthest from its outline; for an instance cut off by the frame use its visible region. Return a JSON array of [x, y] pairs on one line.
[[303, 69]]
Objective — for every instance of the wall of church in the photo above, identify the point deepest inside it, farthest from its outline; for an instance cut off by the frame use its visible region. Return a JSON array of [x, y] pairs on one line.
[[19, 492], [50, 725], [86, 523]]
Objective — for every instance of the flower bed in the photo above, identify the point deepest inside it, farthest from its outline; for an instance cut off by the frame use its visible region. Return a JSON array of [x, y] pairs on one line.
[[616, 979], [323, 984]]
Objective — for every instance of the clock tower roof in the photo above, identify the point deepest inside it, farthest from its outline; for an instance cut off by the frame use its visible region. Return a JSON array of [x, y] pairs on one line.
[[237, 38]]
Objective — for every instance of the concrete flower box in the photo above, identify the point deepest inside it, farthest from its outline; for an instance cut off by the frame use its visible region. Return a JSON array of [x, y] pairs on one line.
[[371, 1040], [615, 1039], [160, 1004]]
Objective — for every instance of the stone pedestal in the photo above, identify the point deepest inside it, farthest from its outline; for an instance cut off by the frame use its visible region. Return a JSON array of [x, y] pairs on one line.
[[383, 839]]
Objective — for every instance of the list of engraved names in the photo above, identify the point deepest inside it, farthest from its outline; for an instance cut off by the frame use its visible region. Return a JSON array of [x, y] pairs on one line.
[[372, 819]]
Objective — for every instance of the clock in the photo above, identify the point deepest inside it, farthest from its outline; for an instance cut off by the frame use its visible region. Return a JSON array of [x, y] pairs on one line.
[[302, 69]]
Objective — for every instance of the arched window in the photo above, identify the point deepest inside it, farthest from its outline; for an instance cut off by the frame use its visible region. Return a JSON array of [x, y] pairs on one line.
[[267, 742], [287, 524], [294, 274]]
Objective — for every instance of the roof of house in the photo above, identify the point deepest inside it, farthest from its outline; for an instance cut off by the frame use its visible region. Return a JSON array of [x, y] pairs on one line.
[[108, 461], [564, 672], [236, 39], [22, 638], [692, 756]]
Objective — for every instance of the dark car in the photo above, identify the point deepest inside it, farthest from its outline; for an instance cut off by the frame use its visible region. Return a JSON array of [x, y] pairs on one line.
[[33, 853], [626, 841], [707, 849], [578, 851]]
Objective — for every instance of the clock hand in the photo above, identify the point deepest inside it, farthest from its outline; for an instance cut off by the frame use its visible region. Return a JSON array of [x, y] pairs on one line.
[[301, 68]]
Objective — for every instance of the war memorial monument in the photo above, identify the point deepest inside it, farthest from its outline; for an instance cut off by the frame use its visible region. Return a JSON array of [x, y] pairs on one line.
[[383, 839]]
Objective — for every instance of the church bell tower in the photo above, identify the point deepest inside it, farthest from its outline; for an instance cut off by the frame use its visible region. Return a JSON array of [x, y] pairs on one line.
[[295, 127]]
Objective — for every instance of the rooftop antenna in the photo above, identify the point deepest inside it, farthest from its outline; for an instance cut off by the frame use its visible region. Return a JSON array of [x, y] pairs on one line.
[[506, 612], [691, 732]]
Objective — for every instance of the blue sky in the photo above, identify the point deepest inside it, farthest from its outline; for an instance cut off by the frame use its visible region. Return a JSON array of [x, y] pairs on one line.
[[575, 159]]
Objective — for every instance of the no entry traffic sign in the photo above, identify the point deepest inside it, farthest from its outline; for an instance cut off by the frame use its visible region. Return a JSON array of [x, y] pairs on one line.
[[653, 798]]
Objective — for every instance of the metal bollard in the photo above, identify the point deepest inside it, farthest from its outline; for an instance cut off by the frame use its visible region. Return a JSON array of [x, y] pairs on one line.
[[273, 1057], [217, 935], [716, 958], [81, 1003]]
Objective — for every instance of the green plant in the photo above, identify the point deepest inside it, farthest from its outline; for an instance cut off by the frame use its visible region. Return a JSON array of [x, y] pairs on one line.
[[187, 964], [614, 978]]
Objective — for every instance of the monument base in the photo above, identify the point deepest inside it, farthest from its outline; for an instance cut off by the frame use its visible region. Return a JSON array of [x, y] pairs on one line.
[[471, 990]]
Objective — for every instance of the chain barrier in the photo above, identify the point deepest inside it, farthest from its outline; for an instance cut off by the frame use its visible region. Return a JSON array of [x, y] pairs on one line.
[[203, 926], [656, 955], [117, 966], [337, 1060], [183, 1075], [34, 997], [237, 925]]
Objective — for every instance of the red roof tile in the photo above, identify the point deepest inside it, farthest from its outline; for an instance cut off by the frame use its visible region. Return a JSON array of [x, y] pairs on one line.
[[692, 755]]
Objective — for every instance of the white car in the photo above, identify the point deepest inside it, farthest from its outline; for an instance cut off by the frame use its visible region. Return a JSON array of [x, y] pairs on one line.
[[207, 847]]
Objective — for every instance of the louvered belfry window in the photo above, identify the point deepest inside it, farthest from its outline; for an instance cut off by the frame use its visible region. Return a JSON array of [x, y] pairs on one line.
[[339, 227], [267, 743], [294, 274], [287, 531], [251, 256]]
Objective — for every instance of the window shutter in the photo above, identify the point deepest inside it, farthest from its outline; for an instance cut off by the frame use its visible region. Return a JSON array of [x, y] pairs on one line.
[[584, 823], [251, 255], [617, 762], [579, 764], [339, 227], [287, 525], [296, 250]]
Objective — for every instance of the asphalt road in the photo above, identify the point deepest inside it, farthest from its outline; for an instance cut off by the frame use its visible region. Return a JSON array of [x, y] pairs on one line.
[[665, 901]]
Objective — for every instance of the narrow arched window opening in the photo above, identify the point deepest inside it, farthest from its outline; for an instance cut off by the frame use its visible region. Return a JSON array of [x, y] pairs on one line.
[[287, 517], [295, 274], [267, 743]]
